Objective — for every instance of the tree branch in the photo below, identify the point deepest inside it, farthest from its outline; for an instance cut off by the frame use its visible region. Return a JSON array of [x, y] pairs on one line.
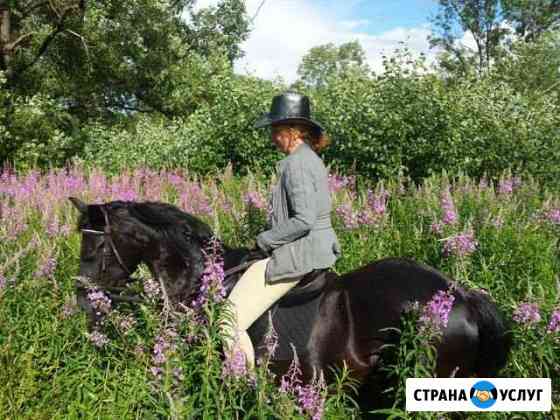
[[44, 46]]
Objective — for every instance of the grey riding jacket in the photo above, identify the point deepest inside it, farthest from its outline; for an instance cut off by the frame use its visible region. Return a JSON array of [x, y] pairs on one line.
[[301, 238]]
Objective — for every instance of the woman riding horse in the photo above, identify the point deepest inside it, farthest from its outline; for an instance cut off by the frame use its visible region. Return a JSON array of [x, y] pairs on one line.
[[301, 238]]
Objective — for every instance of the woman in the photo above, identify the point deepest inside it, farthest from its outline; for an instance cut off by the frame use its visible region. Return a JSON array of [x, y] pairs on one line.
[[301, 238]]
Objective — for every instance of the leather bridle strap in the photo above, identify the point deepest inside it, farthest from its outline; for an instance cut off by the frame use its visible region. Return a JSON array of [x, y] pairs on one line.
[[109, 242], [238, 268]]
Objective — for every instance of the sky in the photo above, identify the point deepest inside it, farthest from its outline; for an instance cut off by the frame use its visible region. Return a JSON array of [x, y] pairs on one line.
[[283, 31]]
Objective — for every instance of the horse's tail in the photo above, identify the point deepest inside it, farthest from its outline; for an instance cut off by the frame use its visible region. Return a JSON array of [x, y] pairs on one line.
[[494, 337]]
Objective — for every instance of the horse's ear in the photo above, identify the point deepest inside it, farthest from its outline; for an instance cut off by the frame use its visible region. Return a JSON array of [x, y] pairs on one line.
[[79, 204]]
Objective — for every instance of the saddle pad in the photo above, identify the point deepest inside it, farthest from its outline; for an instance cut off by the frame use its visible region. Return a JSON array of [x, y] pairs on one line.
[[293, 325]]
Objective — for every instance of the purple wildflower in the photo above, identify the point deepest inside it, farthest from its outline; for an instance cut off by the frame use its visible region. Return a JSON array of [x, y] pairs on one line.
[[126, 323], [291, 380], [3, 281], [99, 301], [435, 314], [235, 363], [212, 277], [448, 208], [47, 267], [460, 245], [338, 182], [98, 339], [151, 288], [164, 345], [553, 216], [311, 398], [554, 323], [69, 309], [378, 202], [53, 226], [254, 199], [346, 213], [508, 185], [437, 228], [527, 314]]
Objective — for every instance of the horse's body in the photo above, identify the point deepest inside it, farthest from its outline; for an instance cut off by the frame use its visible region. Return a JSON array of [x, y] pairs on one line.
[[348, 322]]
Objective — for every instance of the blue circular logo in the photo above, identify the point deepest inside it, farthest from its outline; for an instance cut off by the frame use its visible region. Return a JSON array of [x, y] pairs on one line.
[[483, 394]]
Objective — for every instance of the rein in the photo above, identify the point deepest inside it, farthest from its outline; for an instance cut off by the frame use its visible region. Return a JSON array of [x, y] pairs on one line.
[[108, 242]]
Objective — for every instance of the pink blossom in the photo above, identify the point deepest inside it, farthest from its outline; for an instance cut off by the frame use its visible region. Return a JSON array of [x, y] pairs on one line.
[[435, 314], [98, 339], [554, 323], [527, 314], [254, 199], [460, 245]]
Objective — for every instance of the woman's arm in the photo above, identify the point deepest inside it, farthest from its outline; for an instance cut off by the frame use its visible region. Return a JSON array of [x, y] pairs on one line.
[[301, 197]]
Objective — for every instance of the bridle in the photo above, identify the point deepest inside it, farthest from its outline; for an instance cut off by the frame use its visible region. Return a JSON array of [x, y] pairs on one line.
[[108, 243]]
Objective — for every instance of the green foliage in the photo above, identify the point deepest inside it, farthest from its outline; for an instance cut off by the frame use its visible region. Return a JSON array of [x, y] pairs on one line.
[[49, 368], [103, 61], [208, 140], [330, 60]]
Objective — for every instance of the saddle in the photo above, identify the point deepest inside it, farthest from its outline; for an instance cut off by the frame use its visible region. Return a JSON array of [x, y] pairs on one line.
[[308, 288]]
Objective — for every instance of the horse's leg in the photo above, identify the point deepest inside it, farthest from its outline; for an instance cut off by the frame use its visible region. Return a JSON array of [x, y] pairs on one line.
[[335, 343]]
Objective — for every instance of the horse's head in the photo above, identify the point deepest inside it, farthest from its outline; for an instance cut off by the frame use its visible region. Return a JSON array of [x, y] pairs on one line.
[[113, 245], [118, 236]]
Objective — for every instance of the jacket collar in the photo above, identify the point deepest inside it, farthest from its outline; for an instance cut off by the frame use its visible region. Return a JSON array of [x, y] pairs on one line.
[[300, 148]]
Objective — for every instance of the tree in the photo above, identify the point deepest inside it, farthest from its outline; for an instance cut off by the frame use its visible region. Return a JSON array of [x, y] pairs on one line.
[[103, 60], [328, 60], [531, 18], [478, 17]]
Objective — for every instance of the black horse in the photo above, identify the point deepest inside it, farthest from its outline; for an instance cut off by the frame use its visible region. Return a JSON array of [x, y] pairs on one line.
[[349, 320]]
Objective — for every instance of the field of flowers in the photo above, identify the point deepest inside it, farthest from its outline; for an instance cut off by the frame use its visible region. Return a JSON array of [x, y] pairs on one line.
[[502, 237]]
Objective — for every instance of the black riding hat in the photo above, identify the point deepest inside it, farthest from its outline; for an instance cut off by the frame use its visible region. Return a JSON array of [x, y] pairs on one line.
[[289, 107]]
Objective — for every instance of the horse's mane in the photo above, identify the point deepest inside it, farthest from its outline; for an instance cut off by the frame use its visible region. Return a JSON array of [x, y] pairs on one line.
[[173, 225]]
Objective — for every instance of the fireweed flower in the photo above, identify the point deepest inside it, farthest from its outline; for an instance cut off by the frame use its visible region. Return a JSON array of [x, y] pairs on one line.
[[3, 281], [126, 323], [98, 339], [254, 199], [164, 346], [338, 182], [527, 314], [99, 301], [235, 363], [346, 213], [47, 267], [151, 288], [310, 398], [460, 245], [211, 288], [553, 216], [508, 185], [554, 323], [437, 228], [69, 309], [449, 214], [378, 202], [291, 380], [435, 314]]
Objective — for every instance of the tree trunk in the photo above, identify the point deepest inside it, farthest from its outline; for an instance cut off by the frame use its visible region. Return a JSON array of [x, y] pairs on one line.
[[4, 35]]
